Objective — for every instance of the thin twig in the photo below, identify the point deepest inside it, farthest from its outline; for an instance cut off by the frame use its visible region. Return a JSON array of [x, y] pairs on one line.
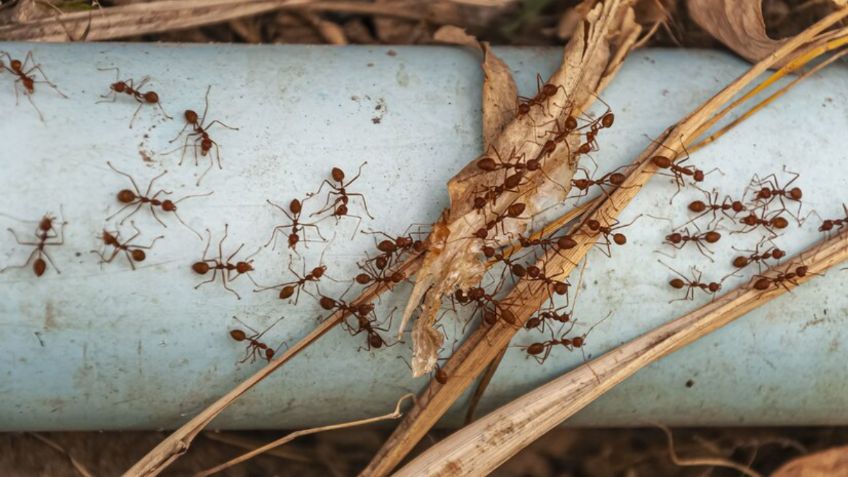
[[81, 470], [703, 461], [294, 435]]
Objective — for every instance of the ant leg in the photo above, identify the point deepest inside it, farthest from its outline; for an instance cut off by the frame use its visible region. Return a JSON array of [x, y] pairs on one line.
[[152, 211], [135, 186], [206, 107], [24, 265], [186, 225], [214, 277], [364, 204], [235, 253], [211, 165], [140, 204], [47, 256], [221, 124], [221, 243], [150, 185], [179, 134], [358, 172], [34, 244], [29, 97], [317, 230], [46, 80], [135, 114]]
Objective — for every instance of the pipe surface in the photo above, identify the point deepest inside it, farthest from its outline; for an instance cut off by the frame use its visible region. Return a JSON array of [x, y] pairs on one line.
[[105, 347]]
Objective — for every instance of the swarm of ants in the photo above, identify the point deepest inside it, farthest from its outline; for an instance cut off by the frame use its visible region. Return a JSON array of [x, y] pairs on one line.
[[766, 207]]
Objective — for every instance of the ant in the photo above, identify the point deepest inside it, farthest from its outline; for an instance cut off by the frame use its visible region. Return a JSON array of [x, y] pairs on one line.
[[678, 171], [288, 289], [296, 227], [752, 220], [544, 348], [394, 247], [544, 92], [372, 274], [254, 346], [364, 314], [556, 286], [712, 205], [764, 283], [200, 133], [549, 315], [19, 69], [828, 224], [483, 300], [609, 231], [517, 270], [757, 257], [679, 283], [241, 267], [605, 121], [612, 179], [128, 87], [130, 198], [489, 164], [134, 253], [514, 211], [45, 235], [342, 196], [770, 189], [679, 239]]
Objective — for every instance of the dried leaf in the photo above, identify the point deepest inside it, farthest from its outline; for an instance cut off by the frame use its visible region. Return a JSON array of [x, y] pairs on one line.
[[827, 463], [739, 25], [570, 20]]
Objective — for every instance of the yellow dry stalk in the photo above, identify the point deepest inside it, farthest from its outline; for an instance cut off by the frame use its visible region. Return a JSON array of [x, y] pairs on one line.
[[526, 297]]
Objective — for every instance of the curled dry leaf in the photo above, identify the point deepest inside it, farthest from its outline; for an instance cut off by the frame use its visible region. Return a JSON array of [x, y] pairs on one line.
[[739, 25], [830, 463]]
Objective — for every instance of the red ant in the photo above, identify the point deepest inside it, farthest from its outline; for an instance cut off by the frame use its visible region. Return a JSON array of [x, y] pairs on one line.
[[770, 189], [556, 286], [288, 289], [609, 231], [128, 87], [44, 233], [371, 274], [712, 205], [342, 196], [679, 283], [483, 301], [544, 348], [254, 346], [828, 224], [752, 220], [757, 257], [514, 211], [364, 314], [517, 270], [200, 133], [226, 267], [489, 164], [544, 92], [549, 315], [296, 227], [679, 239], [134, 253], [19, 69], [394, 247], [606, 120], [130, 198], [764, 283], [678, 171], [612, 179]]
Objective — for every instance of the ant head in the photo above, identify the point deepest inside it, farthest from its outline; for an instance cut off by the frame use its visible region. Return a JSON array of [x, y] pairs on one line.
[[404, 242], [295, 206], [293, 239], [476, 293], [201, 268], [364, 309], [617, 178], [486, 164], [778, 253], [205, 145], [801, 270], [381, 262], [593, 225], [764, 193], [46, 223], [286, 292], [479, 202], [581, 184], [697, 206], [714, 287], [566, 242], [327, 303], [740, 262], [138, 255], [762, 284], [523, 109], [518, 270], [674, 238], [108, 238], [661, 161], [515, 210], [363, 279], [318, 272], [482, 233], [570, 123], [16, 65], [244, 267], [397, 277], [607, 120], [577, 341], [190, 116], [490, 317], [533, 271], [118, 87], [269, 354], [795, 193], [677, 283], [549, 89], [169, 206], [826, 226], [39, 266], [584, 148], [712, 236], [337, 174], [126, 196], [238, 335], [560, 288], [737, 206], [619, 238], [340, 210], [533, 323], [151, 97], [698, 175], [750, 219]]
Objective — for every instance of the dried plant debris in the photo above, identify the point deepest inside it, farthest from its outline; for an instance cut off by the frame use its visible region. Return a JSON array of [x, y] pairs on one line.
[[485, 207], [739, 25], [831, 463]]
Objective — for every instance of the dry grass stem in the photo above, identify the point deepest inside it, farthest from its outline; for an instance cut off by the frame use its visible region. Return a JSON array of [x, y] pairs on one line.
[[704, 461], [79, 468], [238, 440], [486, 343], [481, 447], [294, 435]]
